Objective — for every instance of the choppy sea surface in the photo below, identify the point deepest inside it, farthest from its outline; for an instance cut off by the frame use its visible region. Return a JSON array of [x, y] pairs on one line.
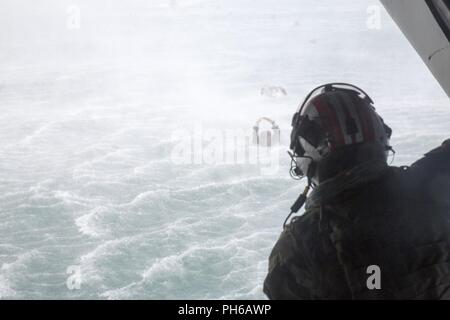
[[93, 202]]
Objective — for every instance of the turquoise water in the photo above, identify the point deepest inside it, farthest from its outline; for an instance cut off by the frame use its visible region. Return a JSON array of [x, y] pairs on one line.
[[92, 203]]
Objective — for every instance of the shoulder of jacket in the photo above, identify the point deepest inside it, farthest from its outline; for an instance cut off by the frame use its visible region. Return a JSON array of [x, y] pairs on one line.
[[422, 178], [434, 162]]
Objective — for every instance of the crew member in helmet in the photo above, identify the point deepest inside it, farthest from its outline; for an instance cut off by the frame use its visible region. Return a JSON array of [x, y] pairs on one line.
[[369, 231]]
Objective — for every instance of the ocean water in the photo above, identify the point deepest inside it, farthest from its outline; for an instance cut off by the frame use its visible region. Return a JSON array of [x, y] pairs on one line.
[[96, 97]]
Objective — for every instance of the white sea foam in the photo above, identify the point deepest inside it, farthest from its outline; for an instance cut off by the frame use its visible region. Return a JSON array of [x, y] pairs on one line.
[[88, 223], [166, 265]]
